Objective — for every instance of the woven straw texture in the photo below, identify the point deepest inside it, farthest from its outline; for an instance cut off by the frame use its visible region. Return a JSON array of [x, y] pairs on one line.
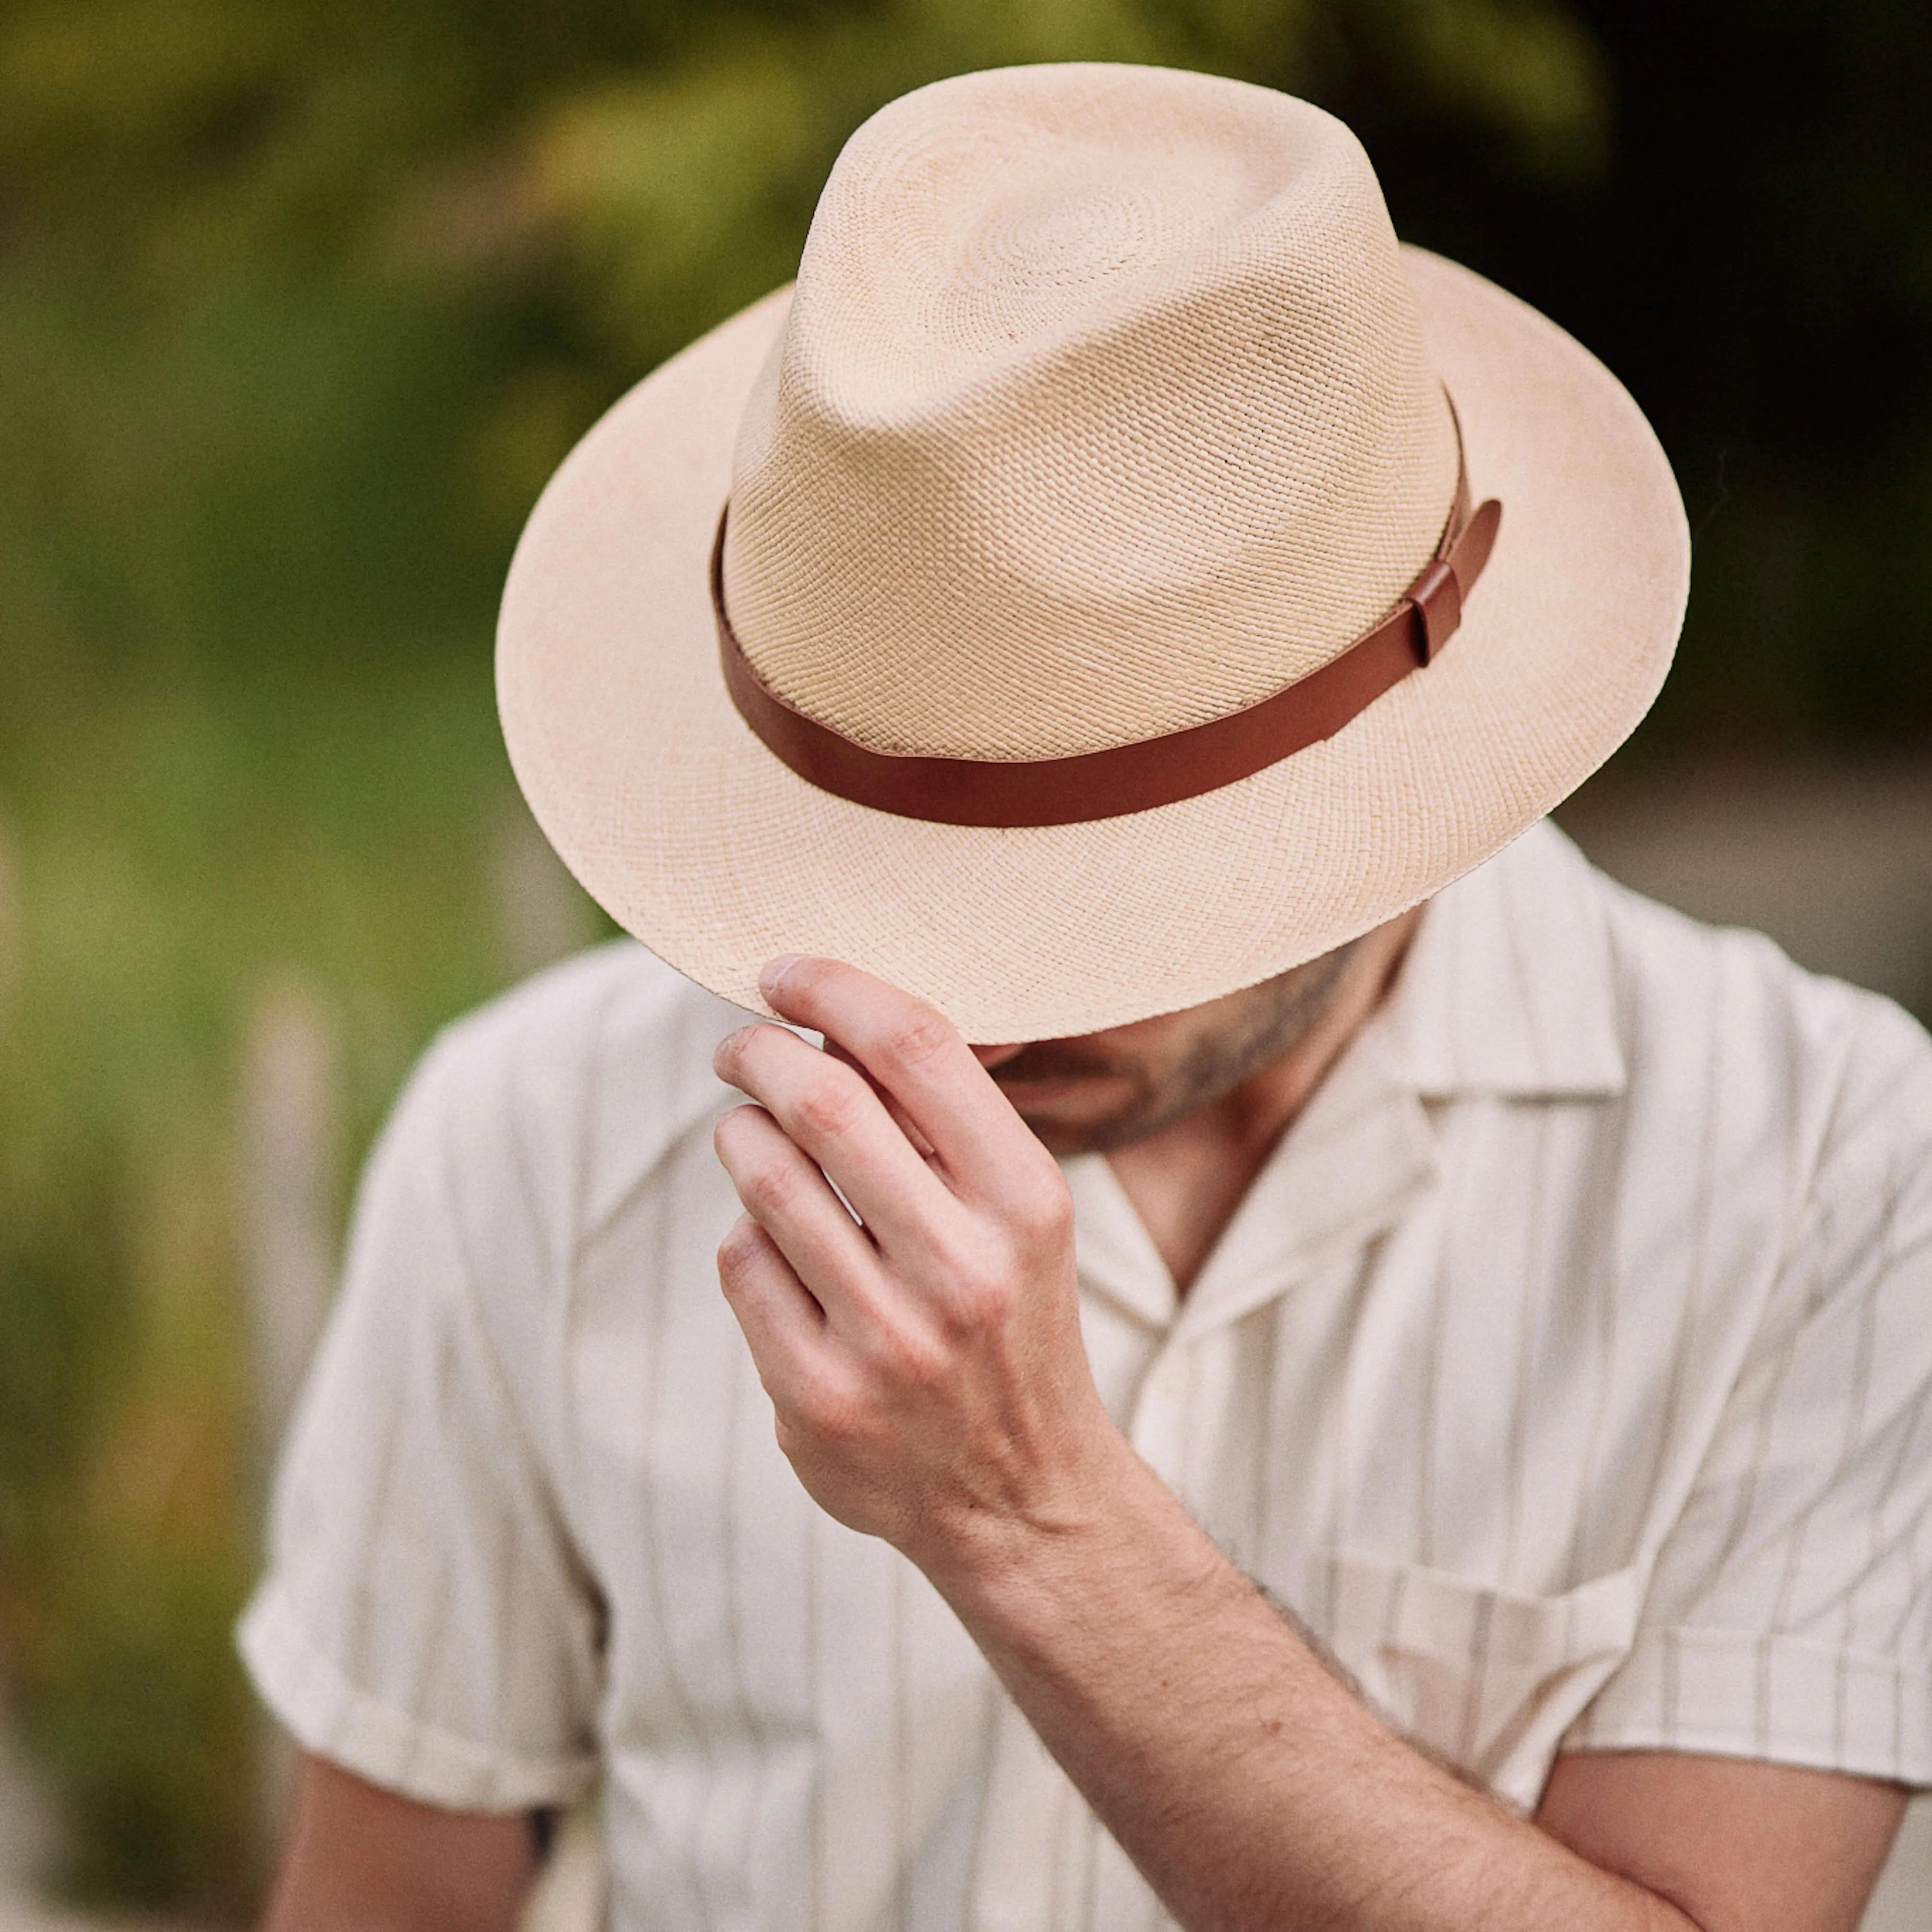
[[1077, 548], [1112, 373]]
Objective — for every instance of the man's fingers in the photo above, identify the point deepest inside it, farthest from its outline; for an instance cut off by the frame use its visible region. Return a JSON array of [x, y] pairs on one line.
[[901, 1119], [827, 1108], [915, 1053], [784, 1324], [787, 1196]]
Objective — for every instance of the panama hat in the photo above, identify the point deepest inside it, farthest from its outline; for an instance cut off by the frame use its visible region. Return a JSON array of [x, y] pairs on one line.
[[1116, 571]]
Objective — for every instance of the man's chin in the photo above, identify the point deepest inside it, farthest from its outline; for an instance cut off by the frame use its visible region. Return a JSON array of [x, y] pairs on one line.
[[1072, 1133], [1058, 1139], [1089, 1111]]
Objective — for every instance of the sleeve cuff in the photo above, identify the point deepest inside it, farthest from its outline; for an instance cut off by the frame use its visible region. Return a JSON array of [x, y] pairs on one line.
[[1782, 1699], [330, 1717]]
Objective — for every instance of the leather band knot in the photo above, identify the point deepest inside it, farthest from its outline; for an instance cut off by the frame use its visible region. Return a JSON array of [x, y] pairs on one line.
[[1150, 772], [1437, 598]]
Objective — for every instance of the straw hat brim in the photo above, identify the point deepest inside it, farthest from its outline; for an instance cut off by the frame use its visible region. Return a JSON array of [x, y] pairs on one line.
[[694, 837]]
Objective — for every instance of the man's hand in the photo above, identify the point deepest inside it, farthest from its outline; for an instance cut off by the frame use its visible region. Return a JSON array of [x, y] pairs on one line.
[[925, 1357]]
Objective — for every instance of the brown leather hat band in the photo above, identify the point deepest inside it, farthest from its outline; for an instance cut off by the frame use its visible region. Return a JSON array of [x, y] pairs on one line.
[[1151, 771]]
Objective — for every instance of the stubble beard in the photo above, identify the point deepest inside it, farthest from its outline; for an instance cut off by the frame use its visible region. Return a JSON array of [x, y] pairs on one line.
[[1269, 1020]]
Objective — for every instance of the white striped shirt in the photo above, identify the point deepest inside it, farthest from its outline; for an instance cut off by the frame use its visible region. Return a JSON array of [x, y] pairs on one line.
[[1565, 1369]]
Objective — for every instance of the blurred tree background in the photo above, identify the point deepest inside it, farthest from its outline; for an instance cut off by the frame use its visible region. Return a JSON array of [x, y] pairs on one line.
[[300, 303]]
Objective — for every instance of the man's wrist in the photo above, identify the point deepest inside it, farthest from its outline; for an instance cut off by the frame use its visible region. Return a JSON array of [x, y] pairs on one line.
[[1024, 1581]]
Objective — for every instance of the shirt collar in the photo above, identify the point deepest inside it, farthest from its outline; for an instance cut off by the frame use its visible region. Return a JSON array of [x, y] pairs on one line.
[[1509, 987], [1347, 1168], [1116, 1255]]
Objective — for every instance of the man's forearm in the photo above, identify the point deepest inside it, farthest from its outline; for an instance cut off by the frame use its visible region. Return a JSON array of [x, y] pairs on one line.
[[1251, 1790]]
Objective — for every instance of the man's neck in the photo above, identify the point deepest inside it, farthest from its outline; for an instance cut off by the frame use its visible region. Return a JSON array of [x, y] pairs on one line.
[[1186, 1179]]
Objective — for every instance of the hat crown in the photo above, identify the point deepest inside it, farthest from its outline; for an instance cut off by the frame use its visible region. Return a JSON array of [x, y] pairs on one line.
[[1101, 410]]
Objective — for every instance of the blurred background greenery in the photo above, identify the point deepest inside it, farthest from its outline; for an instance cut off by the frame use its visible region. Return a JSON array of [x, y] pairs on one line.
[[299, 304]]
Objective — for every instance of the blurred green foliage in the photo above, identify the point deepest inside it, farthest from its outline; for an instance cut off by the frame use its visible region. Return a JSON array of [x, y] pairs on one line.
[[299, 304]]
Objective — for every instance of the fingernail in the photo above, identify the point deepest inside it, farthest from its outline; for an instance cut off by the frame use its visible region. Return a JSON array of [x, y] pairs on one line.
[[770, 979]]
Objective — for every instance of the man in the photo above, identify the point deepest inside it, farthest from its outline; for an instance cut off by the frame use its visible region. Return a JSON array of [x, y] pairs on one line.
[[1444, 1444]]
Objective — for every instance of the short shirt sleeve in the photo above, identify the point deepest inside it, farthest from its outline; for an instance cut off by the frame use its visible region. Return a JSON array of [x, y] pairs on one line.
[[1788, 1615], [424, 1621]]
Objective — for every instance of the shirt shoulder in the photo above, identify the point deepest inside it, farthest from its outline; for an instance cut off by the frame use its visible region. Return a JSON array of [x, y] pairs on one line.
[[1538, 977], [558, 1100], [1845, 1061]]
